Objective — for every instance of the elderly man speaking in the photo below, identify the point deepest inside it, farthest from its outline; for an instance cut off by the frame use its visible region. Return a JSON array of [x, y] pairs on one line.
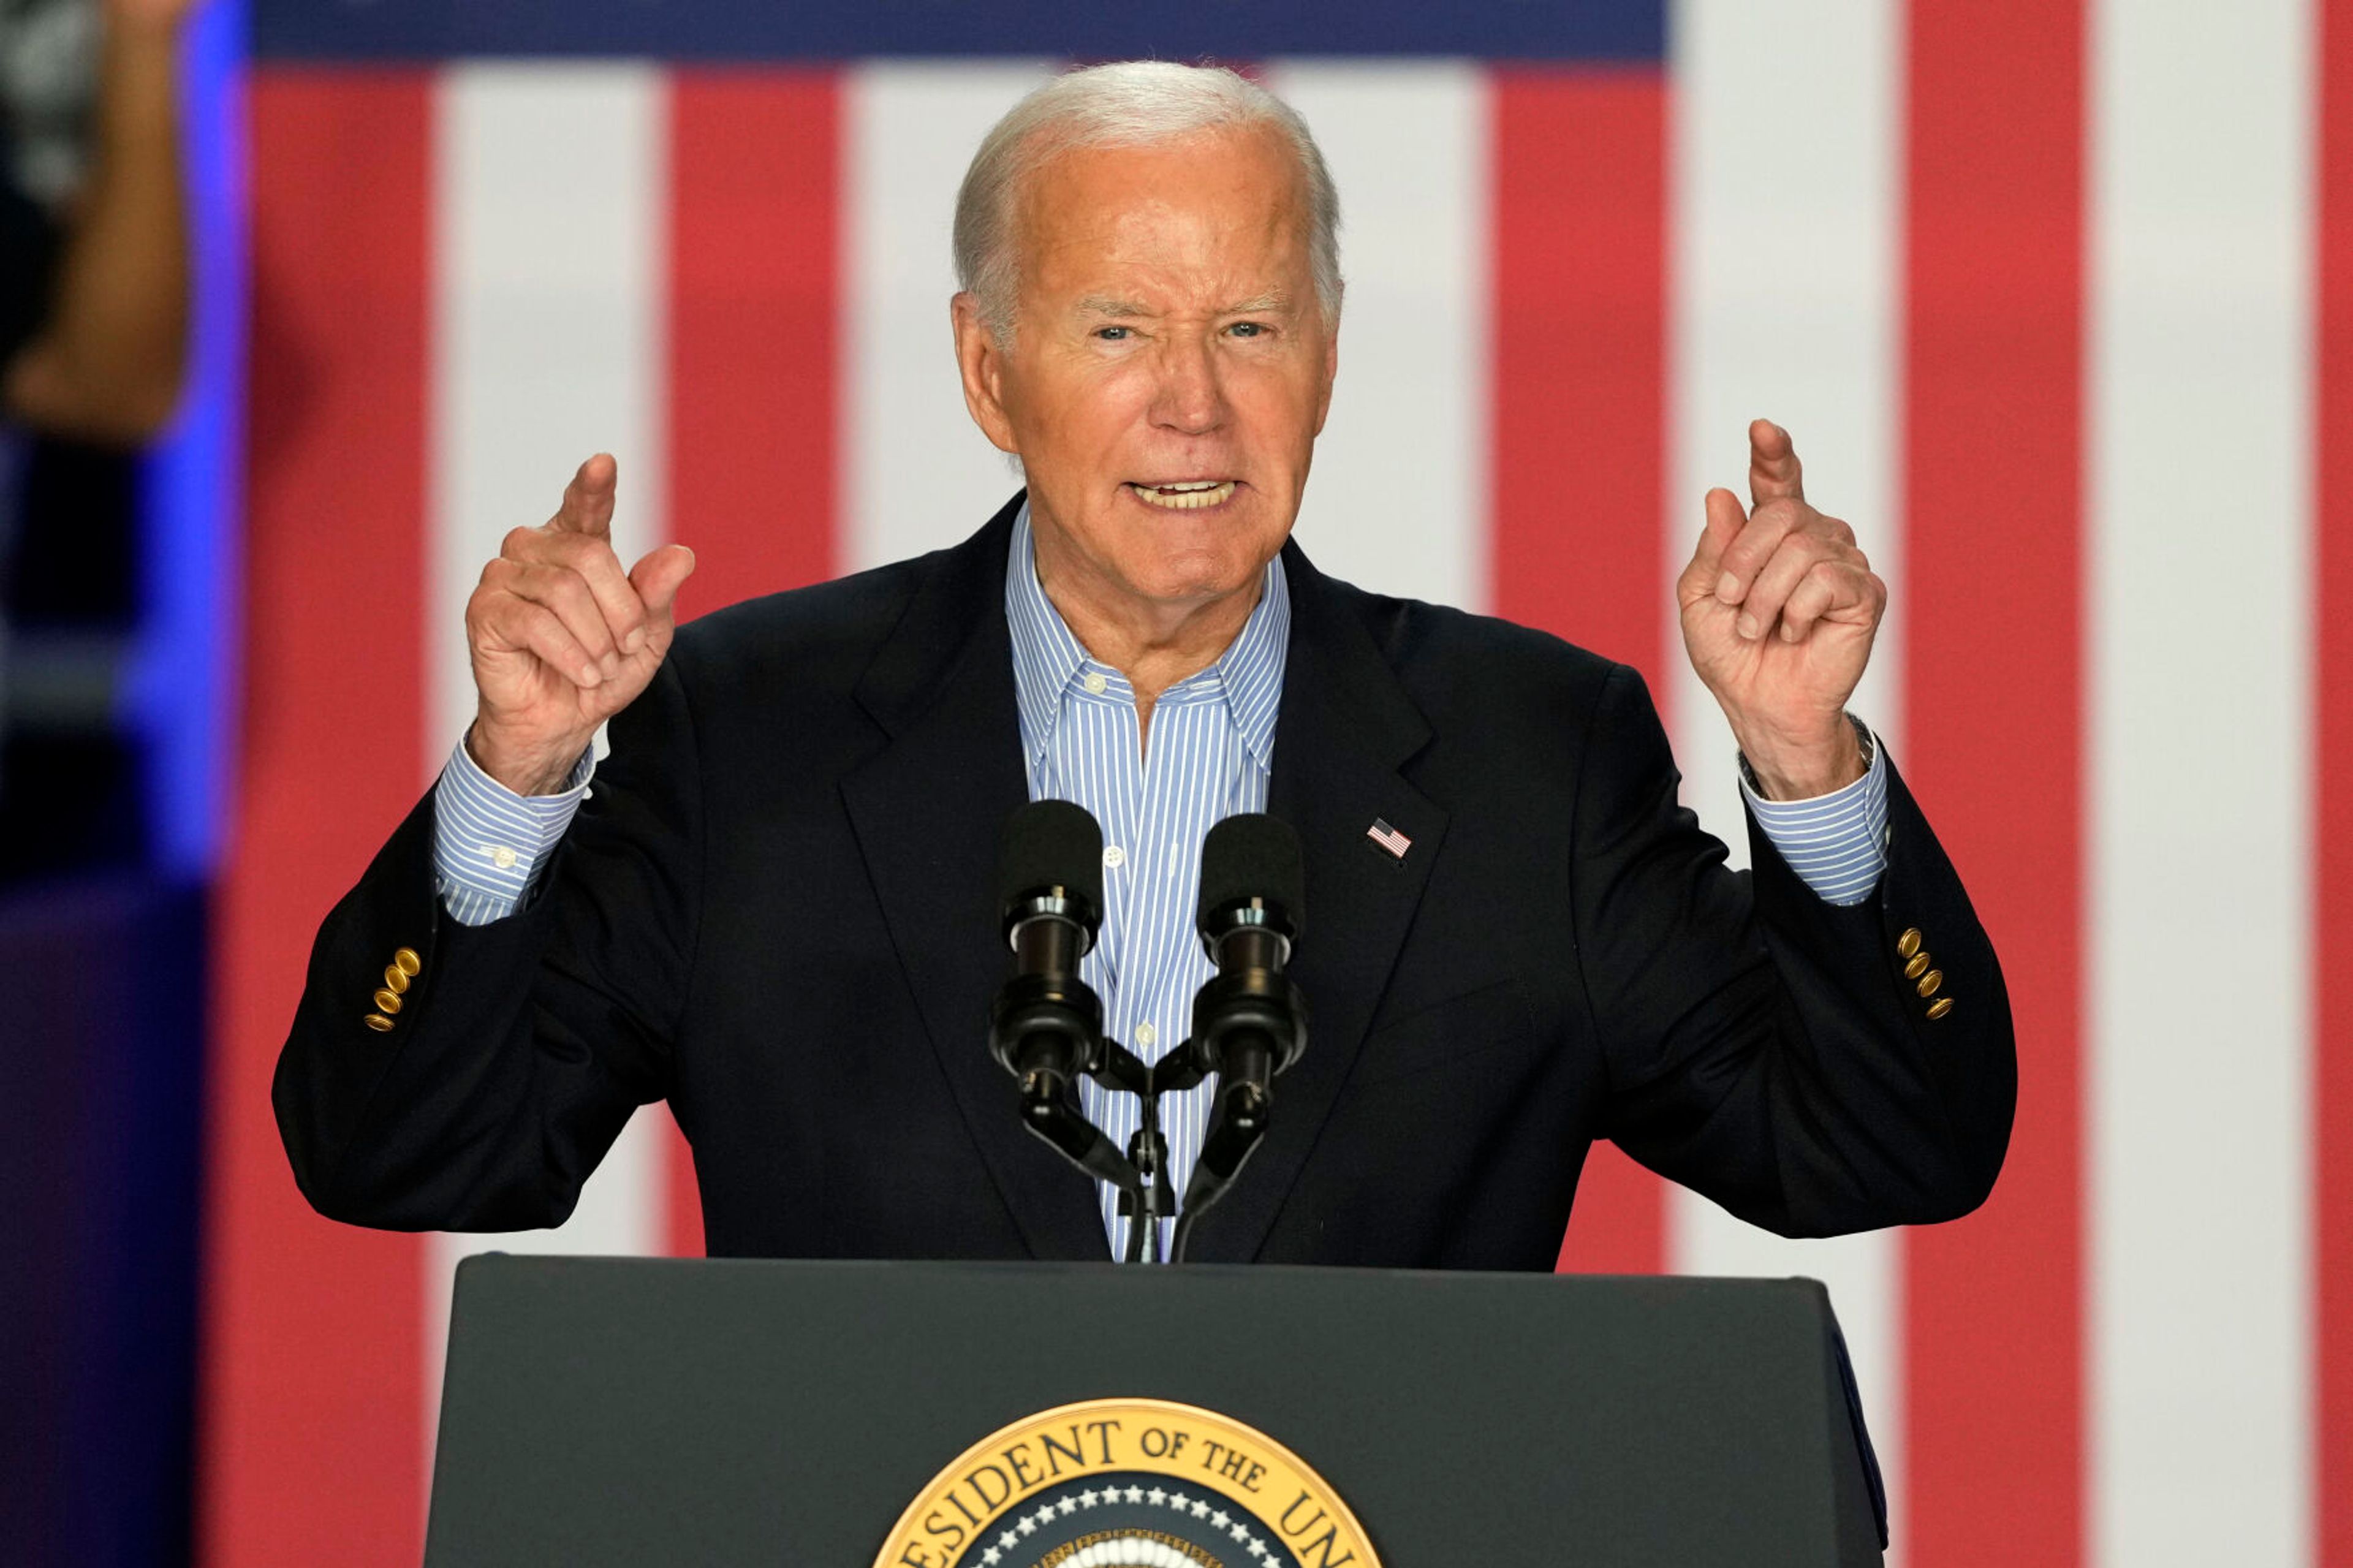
[[776, 907]]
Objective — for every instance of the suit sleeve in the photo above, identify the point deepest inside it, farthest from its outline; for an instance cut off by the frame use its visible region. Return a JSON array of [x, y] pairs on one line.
[[1768, 1049], [520, 1047]]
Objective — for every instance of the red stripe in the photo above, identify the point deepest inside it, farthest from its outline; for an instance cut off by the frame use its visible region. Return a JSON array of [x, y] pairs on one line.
[[312, 1425], [755, 234], [1579, 334], [2332, 986], [1994, 677]]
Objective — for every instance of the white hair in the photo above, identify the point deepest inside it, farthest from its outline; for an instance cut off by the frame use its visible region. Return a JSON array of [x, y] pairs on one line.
[[1127, 104]]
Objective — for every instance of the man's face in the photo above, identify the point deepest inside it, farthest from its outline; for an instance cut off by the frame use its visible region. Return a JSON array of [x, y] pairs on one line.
[[1170, 365]]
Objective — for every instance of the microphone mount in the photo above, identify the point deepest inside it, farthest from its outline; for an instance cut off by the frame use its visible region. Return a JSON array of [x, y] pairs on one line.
[[1250, 1021]]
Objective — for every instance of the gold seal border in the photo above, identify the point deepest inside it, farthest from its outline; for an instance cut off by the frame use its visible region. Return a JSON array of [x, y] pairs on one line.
[[948, 1475]]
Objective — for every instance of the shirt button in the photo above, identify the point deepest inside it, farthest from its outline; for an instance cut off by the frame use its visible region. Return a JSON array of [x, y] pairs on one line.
[[1114, 857], [1145, 1034], [1094, 683], [502, 858]]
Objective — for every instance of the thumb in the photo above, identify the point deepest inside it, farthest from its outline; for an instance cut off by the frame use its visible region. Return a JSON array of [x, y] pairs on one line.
[[658, 576]]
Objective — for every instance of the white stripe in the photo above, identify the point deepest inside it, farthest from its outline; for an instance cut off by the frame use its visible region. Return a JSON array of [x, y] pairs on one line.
[[2201, 245], [1785, 162], [918, 474], [1398, 502], [551, 185]]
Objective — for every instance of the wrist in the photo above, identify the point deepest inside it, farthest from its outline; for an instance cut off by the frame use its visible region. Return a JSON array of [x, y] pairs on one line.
[[1788, 768], [526, 769]]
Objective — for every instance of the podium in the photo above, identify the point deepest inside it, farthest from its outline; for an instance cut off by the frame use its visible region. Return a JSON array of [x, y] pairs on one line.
[[725, 1412]]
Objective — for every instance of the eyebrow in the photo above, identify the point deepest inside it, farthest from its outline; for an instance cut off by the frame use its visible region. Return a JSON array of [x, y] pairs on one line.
[[1103, 305]]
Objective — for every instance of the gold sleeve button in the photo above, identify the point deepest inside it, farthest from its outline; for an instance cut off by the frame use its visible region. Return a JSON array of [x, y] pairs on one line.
[[1908, 943], [1917, 967], [395, 980], [407, 963], [378, 1022], [1943, 1006], [1930, 981], [386, 1002]]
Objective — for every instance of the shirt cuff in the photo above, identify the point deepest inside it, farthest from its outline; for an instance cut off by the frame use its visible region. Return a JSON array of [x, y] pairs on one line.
[[490, 842], [1836, 843]]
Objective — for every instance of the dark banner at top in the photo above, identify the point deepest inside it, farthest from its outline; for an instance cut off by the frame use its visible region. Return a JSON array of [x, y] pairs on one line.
[[819, 30]]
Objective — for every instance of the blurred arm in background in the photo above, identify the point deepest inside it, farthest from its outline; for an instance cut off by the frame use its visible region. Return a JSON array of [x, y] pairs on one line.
[[105, 363]]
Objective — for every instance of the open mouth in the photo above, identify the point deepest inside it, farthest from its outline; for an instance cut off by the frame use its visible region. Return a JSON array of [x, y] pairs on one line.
[[1184, 495]]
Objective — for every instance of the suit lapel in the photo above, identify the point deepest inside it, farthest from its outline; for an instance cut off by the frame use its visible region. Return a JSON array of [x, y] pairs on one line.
[[1345, 726], [927, 811]]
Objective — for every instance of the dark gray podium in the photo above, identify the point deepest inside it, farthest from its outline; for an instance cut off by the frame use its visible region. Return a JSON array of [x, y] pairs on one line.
[[627, 1411]]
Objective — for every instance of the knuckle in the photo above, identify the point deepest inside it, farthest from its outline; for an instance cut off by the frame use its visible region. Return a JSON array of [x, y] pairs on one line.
[[571, 549], [564, 584], [520, 543]]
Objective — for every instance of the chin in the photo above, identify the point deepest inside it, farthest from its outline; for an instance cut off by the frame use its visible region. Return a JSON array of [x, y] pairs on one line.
[[1196, 575]]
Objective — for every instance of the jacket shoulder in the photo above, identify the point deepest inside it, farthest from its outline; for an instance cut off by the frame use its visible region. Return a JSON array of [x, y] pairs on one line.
[[1453, 662], [824, 635]]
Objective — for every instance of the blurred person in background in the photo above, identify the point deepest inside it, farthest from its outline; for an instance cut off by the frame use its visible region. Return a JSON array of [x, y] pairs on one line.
[[93, 334]]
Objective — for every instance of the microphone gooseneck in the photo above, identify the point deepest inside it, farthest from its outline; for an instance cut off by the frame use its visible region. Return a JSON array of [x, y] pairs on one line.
[[1250, 1021], [1047, 1026]]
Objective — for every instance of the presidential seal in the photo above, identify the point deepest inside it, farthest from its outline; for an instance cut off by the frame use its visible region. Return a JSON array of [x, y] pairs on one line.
[[1127, 1483]]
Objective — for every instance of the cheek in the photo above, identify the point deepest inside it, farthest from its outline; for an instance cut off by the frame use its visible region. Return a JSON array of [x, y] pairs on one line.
[[1088, 401], [1279, 405]]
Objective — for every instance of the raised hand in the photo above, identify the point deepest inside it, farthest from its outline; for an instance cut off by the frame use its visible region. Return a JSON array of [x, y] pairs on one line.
[[562, 640], [1779, 613]]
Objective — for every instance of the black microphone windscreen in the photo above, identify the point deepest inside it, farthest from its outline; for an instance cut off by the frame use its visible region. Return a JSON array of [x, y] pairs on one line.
[[1253, 856], [1050, 843]]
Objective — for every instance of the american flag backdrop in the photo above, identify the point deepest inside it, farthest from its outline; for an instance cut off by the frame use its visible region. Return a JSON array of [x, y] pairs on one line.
[[2055, 295]]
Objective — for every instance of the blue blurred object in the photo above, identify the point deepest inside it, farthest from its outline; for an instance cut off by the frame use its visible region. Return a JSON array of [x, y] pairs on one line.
[[103, 1037], [1585, 30], [177, 685], [101, 1046]]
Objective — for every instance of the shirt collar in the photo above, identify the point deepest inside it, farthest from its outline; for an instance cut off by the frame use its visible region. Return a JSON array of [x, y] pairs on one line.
[[1047, 659]]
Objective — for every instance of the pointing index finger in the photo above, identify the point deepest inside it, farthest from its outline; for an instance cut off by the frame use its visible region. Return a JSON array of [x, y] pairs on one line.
[[588, 499], [1774, 472]]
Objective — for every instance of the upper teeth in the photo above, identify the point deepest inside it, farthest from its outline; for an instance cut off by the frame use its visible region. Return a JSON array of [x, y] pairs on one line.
[[1186, 494]]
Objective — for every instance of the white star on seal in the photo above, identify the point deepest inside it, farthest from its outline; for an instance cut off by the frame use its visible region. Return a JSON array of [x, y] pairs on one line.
[[1156, 1496], [1136, 1494], [1087, 1499], [1028, 1526], [1221, 1519], [1068, 1506], [1007, 1540], [1200, 1508], [989, 1559]]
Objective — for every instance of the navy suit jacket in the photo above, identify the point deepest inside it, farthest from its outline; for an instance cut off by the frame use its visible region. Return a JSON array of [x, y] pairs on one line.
[[776, 911]]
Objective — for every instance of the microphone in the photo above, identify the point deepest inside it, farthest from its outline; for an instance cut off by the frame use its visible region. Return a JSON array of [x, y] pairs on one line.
[[1046, 1027], [1249, 1021]]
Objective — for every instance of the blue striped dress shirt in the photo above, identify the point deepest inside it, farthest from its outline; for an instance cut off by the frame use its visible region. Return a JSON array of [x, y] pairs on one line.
[[1211, 755]]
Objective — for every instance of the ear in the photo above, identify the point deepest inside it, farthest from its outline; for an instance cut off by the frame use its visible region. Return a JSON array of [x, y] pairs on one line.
[[981, 363], [1331, 369]]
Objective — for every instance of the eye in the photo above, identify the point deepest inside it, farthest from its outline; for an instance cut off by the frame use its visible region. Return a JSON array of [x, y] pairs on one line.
[[1248, 328], [1112, 335]]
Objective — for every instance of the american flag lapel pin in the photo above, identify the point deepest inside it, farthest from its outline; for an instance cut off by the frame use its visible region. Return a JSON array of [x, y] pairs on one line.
[[1383, 836]]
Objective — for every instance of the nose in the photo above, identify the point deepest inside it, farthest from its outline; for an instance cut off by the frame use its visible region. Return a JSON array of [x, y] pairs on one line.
[[1190, 400]]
